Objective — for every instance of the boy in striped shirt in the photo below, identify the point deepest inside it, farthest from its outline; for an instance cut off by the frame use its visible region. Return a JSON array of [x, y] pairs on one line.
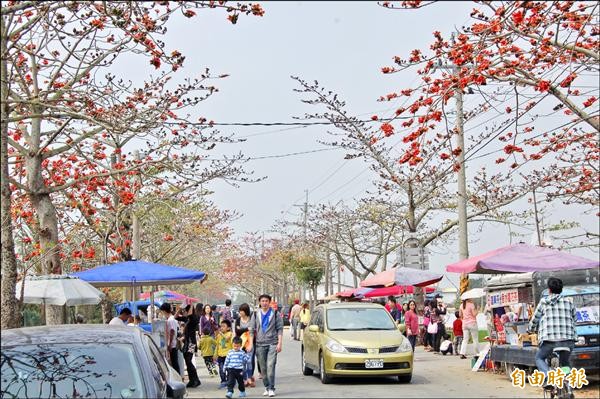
[[234, 368]]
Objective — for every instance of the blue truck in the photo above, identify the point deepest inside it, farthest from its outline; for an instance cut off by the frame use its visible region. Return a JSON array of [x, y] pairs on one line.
[[580, 285]]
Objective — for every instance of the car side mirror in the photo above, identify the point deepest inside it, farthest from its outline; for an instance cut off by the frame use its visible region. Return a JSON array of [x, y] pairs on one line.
[[313, 328], [176, 389]]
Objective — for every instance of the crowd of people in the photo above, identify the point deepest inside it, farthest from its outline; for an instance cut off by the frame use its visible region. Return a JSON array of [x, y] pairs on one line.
[[428, 326], [213, 334], [232, 348]]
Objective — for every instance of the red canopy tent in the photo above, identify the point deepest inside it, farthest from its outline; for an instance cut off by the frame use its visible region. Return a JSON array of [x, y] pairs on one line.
[[395, 291]]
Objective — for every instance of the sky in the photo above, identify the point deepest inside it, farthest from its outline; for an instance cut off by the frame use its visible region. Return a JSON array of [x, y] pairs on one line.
[[342, 45]]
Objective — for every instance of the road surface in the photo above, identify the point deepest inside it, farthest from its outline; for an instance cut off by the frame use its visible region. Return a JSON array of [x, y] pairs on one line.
[[433, 376]]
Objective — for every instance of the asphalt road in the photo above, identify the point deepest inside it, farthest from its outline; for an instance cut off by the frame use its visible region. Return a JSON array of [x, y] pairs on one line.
[[433, 376]]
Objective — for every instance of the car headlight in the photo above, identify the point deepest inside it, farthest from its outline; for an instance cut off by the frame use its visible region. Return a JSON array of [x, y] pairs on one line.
[[580, 341], [335, 346], [405, 346]]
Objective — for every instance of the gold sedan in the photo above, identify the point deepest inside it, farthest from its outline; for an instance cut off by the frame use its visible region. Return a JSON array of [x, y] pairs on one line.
[[355, 339]]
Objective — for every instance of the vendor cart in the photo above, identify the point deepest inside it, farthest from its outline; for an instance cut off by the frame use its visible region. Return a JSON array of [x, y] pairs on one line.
[[508, 295]]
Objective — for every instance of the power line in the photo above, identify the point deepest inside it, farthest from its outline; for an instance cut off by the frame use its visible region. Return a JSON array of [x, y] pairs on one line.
[[343, 185], [291, 154], [344, 163], [270, 132], [314, 123]]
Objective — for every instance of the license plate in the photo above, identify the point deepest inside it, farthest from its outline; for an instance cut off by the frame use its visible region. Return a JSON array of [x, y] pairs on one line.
[[374, 364]]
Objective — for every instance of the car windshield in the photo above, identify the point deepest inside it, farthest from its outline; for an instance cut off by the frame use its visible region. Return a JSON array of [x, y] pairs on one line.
[[61, 370], [348, 319]]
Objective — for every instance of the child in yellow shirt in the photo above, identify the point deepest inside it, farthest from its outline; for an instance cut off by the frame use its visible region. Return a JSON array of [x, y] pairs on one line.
[[224, 345], [208, 346]]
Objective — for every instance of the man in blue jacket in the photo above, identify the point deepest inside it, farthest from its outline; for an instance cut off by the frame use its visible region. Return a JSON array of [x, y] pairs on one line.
[[266, 327]]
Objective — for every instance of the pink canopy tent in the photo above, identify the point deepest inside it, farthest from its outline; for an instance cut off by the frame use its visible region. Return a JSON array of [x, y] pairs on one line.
[[402, 276], [352, 292], [522, 258], [172, 295], [366, 292], [395, 291]]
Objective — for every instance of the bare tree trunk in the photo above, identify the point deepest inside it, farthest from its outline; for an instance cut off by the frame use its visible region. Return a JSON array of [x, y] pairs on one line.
[[286, 294], [48, 233], [46, 214], [50, 253], [312, 298], [107, 309], [10, 309], [339, 275], [354, 276]]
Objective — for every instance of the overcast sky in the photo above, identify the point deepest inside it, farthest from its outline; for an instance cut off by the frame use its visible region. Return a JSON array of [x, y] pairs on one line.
[[343, 45]]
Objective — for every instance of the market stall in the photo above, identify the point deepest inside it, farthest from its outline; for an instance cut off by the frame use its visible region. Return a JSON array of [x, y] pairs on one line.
[[366, 292], [512, 295], [138, 273]]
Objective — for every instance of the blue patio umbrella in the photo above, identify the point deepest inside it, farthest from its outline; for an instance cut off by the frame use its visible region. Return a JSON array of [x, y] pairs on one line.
[[138, 272]]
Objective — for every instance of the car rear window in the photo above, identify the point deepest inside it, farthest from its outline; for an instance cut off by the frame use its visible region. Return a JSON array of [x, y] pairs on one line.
[[359, 319], [70, 370]]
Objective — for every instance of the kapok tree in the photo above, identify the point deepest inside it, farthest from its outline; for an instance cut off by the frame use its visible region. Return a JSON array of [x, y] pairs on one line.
[[63, 103], [542, 52], [415, 186], [538, 50]]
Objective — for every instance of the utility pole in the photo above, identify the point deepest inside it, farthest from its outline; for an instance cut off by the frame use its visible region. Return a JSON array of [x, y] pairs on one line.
[[305, 235], [463, 241], [537, 220], [305, 215]]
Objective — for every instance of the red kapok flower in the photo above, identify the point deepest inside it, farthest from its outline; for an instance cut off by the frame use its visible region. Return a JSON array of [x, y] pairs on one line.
[[387, 129], [156, 62]]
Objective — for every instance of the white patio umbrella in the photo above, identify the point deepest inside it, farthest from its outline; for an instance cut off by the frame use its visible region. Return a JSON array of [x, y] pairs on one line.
[[472, 294], [58, 290]]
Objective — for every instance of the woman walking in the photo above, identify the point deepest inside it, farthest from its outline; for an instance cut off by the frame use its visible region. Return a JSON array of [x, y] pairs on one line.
[[411, 321], [241, 329], [190, 330], [468, 313], [427, 340], [207, 321], [304, 319], [439, 312]]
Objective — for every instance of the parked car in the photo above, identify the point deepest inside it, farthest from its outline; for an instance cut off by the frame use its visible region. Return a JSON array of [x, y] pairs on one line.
[[86, 360], [355, 339]]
